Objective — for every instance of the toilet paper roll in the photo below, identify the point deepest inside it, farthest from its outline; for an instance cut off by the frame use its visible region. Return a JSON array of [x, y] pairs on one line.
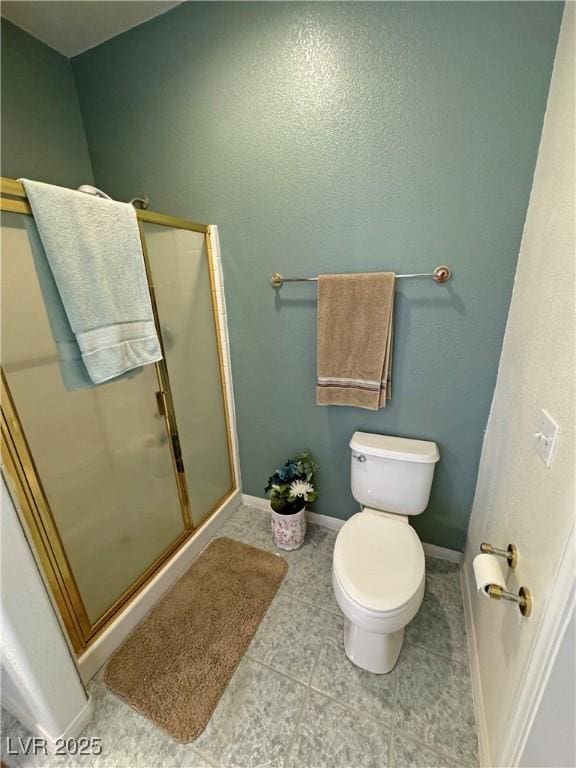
[[487, 571]]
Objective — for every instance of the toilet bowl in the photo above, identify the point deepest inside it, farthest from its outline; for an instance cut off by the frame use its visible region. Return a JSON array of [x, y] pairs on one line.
[[378, 577], [378, 570]]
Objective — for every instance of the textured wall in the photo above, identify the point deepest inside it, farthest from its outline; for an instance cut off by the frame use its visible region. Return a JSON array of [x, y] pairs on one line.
[[44, 689], [551, 740], [341, 137], [42, 132], [518, 499], [42, 137]]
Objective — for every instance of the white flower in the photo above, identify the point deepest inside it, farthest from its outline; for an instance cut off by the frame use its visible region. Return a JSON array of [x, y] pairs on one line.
[[300, 488]]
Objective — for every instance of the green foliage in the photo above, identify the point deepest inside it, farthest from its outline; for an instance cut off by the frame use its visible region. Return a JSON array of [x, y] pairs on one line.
[[290, 487]]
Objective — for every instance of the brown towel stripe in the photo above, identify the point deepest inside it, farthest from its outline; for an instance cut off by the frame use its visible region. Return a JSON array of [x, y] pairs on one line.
[[368, 387]]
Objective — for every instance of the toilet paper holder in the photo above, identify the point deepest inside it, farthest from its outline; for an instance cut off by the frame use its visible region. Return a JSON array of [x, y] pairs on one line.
[[510, 553], [523, 599]]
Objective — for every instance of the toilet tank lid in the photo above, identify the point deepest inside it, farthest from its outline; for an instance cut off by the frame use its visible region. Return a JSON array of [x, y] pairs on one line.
[[400, 448]]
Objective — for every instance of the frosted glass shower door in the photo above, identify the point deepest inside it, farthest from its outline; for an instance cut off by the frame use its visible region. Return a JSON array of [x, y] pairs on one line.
[[180, 276], [103, 454]]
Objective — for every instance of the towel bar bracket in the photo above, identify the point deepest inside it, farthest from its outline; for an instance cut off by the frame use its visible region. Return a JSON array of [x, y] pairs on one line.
[[442, 274], [138, 202]]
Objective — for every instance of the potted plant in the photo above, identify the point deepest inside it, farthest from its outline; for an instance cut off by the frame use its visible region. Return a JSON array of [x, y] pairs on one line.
[[289, 489]]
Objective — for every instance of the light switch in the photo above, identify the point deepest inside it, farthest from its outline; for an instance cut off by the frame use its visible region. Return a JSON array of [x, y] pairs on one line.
[[546, 437]]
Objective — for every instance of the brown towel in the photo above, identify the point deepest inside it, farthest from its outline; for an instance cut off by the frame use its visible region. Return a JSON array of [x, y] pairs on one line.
[[355, 339]]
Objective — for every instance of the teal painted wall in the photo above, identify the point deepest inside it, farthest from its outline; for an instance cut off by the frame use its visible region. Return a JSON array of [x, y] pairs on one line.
[[332, 137], [42, 132]]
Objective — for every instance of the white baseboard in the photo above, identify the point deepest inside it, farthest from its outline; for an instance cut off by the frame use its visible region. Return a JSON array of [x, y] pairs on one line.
[[114, 635], [256, 502], [442, 553], [73, 730], [80, 721], [335, 523], [469, 594]]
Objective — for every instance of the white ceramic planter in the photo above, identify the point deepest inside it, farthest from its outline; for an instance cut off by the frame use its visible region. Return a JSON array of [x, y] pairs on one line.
[[288, 530]]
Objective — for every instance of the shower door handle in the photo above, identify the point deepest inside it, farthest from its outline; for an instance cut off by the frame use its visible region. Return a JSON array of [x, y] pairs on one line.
[[161, 403], [174, 440], [177, 451]]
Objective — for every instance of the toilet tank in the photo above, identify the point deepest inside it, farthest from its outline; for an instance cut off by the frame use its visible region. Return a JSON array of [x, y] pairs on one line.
[[392, 474]]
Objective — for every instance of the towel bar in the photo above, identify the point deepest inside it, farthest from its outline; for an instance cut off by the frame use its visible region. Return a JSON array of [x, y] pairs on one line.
[[138, 202], [440, 275]]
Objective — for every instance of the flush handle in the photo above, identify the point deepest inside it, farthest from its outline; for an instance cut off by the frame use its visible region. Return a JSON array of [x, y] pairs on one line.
[[359, 457]]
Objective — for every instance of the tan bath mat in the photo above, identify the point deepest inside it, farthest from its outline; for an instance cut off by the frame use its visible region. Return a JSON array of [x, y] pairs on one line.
[[176, 664]]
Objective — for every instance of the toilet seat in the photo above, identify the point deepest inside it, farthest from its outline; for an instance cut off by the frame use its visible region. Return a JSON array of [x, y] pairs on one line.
[[379, 563]]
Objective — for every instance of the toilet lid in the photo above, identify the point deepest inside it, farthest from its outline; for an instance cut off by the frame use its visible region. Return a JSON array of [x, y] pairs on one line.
[[379, 561]]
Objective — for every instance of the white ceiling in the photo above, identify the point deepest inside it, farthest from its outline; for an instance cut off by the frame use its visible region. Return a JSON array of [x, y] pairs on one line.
[[73, 26]]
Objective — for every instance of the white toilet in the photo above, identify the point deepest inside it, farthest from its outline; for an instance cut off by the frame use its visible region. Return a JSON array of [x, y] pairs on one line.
[[378, 567]]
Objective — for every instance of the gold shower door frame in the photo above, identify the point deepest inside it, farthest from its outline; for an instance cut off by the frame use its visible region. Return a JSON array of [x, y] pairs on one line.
[[26, 483]]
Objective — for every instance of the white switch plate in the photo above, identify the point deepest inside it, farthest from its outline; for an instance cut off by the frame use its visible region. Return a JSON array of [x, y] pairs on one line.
[[546, 437]]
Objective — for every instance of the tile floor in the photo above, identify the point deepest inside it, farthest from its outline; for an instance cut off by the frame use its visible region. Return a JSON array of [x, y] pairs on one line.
[[295, 701]]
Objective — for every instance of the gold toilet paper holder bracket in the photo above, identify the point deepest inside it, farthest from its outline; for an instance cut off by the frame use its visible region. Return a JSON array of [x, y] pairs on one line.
[[510, 553], [523, 599]]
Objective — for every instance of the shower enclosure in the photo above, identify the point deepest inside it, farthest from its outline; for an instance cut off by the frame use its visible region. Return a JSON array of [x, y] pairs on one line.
[[114, 479]]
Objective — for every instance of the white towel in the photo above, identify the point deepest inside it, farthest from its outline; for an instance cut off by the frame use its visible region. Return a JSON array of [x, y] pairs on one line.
[[92, 246]]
